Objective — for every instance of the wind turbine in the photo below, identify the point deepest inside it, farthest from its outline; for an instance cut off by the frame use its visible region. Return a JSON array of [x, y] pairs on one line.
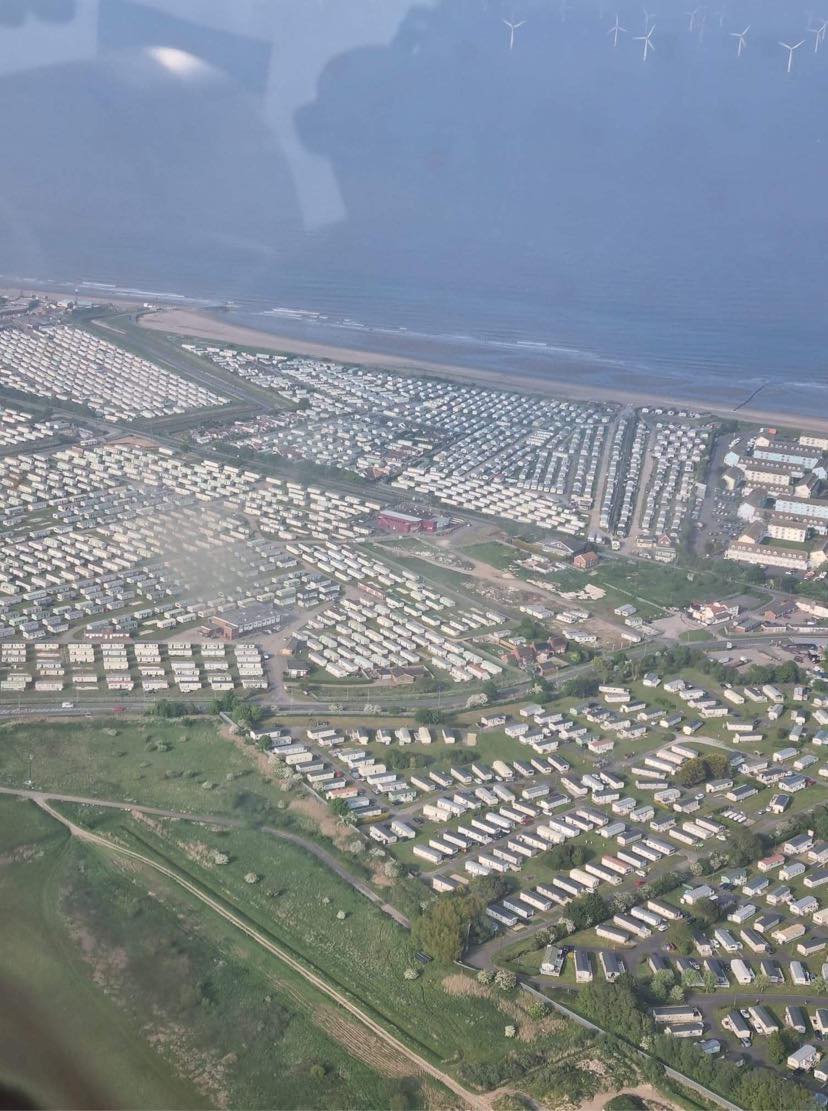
[[692, 17], [615, 31], [647, 17], [819, 33], [647, 40], [742, 37], [790, 50], [512, 28]]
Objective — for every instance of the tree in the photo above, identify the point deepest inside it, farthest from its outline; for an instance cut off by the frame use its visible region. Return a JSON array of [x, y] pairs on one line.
[[762, 1090], [505, 979], [569, 854], [691, 772], [615, 1007], [582, 686], [745, 847], [343, 811], [661, 983], [529, 629], [701, 769], [705, 914], [491, 691], [430, 716], [780, 1044], [718, 765], [588, 910], [443, 927]]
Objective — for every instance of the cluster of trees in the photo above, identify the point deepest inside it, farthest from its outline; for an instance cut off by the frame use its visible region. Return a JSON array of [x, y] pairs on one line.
[[757, 1088], [398, 758], [744, 846], [678, 657], [588, 910], [817, 820], [447, 922], [780, 1045], [530, 629], [491, 690], [620, 667], [701, 769], [171, 708], [680, 933], [343, 811], [566, 855], [241, 710], [617, 1008], [622, 1009], [582, 686], [431, 716]]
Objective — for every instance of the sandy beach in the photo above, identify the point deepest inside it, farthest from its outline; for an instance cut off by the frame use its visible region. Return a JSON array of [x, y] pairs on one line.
[[206, 325]]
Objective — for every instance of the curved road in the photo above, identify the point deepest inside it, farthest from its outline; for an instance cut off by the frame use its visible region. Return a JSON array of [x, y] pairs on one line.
[[422, 1065], [309, 846]]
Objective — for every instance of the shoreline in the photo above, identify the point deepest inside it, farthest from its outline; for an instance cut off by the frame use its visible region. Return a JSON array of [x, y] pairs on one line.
[[204, 324], [200, 319]]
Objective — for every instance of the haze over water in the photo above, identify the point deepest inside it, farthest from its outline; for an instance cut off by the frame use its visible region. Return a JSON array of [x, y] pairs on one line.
[[396, 166]]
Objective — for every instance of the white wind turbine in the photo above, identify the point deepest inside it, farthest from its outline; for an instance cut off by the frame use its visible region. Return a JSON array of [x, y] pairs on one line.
[[742, 37], [648, 42], [648, 17], [615, 31], [790, 50], [512, 28], [819, 34], [692, 17]]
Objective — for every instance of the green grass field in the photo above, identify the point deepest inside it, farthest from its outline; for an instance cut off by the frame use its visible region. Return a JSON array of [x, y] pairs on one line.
[[494, 553], [652, 587], [179, 765], [144, 1000], [443, 1014], [296, 899], [49, 993]]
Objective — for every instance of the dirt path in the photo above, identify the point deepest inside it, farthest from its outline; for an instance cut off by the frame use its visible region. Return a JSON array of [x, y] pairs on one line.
[[304, 843], [420, 1064], [647, 1092]]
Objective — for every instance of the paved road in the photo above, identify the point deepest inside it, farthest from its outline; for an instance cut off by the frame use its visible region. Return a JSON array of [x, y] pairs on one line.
[[309, 846], [420, 1063]]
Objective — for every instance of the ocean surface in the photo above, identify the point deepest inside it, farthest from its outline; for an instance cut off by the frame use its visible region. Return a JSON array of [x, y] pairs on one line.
[[392, 176]]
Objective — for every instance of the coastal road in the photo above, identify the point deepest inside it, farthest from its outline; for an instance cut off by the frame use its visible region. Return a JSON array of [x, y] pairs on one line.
[[304, 843], [421, 1065]]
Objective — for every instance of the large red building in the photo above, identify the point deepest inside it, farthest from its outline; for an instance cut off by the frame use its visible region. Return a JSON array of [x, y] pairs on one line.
[[393, 521]]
